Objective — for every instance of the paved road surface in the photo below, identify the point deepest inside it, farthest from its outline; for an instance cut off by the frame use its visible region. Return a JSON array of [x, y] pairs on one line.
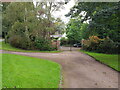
[[80, 70]]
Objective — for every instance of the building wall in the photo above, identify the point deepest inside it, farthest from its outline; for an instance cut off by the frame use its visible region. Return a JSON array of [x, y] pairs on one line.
[[56, 43]]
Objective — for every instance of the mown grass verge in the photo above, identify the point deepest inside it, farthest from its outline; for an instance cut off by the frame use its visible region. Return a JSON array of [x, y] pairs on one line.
[[29, 72], [110, 60]]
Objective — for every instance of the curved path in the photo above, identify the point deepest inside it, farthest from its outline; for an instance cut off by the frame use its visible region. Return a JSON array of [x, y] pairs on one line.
[[80, 70]]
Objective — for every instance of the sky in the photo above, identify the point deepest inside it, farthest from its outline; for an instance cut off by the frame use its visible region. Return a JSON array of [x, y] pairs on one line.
[[61, 14]]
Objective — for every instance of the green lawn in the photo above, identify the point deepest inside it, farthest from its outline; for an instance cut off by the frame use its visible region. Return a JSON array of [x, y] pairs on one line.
[[8, 47], [108, 59], [28, 72]]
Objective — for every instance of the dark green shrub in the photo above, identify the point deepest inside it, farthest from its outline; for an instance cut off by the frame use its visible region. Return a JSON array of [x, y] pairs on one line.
[[101, 45], [20, 42], [43, 44], [63, 41], [26, 44], [15, 41], [108, 46]]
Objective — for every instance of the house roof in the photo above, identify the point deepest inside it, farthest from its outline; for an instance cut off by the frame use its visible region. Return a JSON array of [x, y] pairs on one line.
[[56, 36]]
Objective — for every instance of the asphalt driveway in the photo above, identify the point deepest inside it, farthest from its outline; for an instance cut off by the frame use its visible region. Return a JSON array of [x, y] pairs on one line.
[[79, 70]]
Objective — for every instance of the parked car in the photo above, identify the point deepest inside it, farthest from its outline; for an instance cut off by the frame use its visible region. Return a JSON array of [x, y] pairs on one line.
[[77, 45]]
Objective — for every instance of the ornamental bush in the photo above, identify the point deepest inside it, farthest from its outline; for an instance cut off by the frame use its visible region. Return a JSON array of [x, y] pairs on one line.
[[108, 46], [20, 42], [43, 44], [92, 43], [96, 44], [27, 44], [15, 41]]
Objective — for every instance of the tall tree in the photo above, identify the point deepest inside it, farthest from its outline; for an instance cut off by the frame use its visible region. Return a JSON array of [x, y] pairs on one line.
[[73, 31], [45, 10], [3, 23], [103, 18], [11, 15], [30, 24], [105, 23]]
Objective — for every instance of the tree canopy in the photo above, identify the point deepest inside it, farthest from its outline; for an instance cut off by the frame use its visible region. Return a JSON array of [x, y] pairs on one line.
[[73, 31], [33, 23], [99, 25], [103, 18]]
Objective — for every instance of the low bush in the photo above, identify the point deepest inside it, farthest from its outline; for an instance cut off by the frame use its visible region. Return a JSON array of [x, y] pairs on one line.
[[63, 41], [39, 43], [96, 44], [92, 43], [108, 46], [15, 41], [20, 42], [43, 44]]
